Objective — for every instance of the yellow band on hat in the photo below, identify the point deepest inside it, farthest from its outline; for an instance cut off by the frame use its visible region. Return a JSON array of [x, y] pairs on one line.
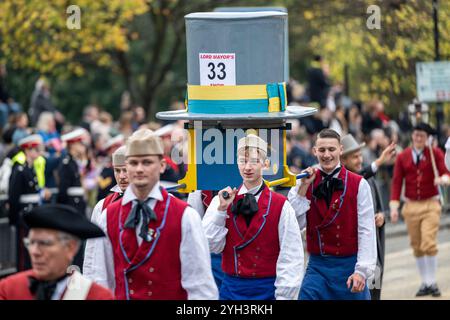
[[241, 92], [249, 99]]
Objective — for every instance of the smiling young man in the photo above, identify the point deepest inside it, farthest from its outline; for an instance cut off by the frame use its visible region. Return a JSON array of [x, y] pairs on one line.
[[155, 242], [257, 233], [53, 241], [120, 175], [336, 206], [422, 209]]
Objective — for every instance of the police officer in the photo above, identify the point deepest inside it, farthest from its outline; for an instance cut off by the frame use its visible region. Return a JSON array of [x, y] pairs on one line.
[[71, 191], [70, 187], [24, 193]]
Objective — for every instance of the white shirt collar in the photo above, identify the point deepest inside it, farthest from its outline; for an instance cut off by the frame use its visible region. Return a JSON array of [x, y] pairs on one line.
[[129, 195], [336, 174], [244, 189], [116, 189]]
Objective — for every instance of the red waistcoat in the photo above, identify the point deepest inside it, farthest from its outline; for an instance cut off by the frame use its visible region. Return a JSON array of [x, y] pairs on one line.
[[419, 180], [153, 269], [110, 198], [253, 251], [334, 230]]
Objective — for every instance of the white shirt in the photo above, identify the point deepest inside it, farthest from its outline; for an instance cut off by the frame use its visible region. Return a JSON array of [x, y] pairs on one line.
[[196, 274], [289, 268], [60, 288], [416, 153], [92, 247], [196, 202], [447, 154], [367, 243]]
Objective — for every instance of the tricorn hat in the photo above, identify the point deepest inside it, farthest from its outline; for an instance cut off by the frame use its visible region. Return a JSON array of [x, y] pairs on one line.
[[422, 126], [63, 218]]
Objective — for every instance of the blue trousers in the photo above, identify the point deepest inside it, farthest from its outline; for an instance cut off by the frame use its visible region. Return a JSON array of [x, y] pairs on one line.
[[216, 264], [237, 288], [326, 279]]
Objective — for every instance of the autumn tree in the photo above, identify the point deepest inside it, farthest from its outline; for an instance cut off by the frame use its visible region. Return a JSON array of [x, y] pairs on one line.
[[381, 61]]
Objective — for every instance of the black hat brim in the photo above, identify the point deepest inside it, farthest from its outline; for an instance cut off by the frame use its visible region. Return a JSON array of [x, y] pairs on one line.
[[62, 218]]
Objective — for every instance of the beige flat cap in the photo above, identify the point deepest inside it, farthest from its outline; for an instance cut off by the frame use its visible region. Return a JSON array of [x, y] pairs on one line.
[[144, 142], [254, 141], [118, 157]]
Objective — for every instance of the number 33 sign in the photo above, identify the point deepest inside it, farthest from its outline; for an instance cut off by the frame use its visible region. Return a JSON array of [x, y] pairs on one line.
[[217, 69]]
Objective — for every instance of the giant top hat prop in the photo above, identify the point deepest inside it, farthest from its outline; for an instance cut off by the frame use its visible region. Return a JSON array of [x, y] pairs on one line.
[[237, 73]]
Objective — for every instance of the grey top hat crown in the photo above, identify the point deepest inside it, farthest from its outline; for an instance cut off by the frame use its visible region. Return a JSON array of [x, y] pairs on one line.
[[257, 45]]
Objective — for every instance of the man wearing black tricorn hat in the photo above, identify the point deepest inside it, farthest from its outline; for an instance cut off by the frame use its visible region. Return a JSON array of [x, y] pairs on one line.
[[53, 241]]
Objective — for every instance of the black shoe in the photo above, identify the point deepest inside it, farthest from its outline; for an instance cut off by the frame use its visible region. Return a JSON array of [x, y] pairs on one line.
[[424, 290], [434, 290]]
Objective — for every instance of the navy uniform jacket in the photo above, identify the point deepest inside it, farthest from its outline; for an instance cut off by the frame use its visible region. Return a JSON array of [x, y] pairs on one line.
[[70, 189], [23, 187]]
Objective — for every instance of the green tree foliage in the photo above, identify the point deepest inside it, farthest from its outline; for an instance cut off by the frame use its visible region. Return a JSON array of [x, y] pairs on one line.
[[381, 61], [139, 45]]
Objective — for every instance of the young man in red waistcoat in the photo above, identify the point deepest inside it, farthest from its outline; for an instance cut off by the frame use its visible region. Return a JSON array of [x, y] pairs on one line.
[[155, 241], [53, 241], [257, 233], [336, 206], [120, 175], [422, 209]]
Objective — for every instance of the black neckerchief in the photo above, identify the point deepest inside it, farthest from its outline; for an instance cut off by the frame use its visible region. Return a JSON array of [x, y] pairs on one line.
[[141, 210], [247, 206], [43, 290], [328, 185]]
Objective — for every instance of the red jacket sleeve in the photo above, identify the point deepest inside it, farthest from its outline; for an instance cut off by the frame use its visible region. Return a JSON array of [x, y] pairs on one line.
[[397, 180]]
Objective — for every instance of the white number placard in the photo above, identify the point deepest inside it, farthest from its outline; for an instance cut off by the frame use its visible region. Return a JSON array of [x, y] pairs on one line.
[[217, 69]]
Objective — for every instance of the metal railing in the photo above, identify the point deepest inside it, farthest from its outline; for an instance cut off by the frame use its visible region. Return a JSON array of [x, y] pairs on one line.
[[7, 248]]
